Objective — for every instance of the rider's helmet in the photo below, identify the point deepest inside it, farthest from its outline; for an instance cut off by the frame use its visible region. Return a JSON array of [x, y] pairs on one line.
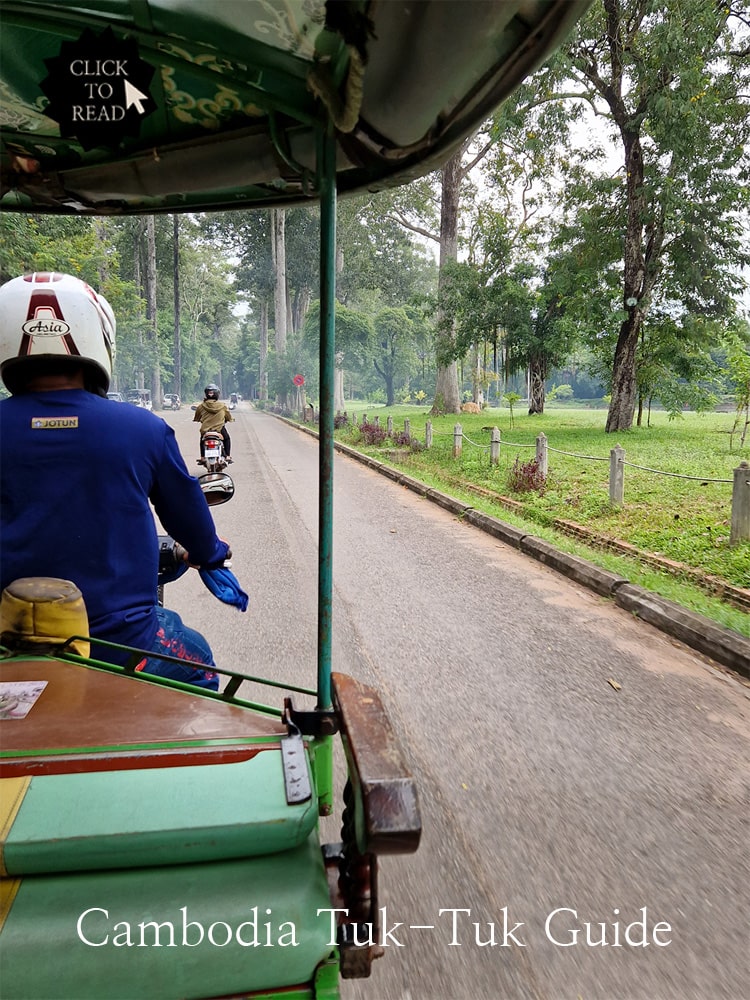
[[49, 321], [211, 391]]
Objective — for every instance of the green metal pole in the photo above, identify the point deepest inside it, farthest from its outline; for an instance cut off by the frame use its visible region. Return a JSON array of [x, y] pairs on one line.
[[327, 161]]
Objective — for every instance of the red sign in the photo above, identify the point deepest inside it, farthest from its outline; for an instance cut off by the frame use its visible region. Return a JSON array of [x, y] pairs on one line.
[[299, 380]]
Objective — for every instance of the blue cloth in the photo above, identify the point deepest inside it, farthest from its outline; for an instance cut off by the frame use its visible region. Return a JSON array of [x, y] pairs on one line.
[[224, 584], [78, 474]]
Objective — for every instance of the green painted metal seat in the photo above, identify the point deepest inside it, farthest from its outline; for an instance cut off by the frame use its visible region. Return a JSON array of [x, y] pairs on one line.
[[155, 816], [156, 777], [175, 932]]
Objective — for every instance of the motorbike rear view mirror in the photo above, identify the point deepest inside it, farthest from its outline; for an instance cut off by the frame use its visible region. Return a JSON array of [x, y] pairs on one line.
[[217, 488]]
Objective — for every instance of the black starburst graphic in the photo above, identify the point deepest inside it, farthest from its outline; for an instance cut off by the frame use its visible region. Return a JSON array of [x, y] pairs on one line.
[[98, 88]]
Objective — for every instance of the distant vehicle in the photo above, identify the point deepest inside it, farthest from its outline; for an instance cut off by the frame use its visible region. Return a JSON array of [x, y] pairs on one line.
[[171, 401], [233, 400], [116, 396], [140, 397]]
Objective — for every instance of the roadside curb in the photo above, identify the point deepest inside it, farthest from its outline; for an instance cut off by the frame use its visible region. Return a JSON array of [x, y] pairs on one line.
[[721, 644]]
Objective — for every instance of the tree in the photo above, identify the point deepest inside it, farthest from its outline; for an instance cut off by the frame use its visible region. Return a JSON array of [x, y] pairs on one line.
[[53, 243], [248, 237], [151, 309], [302, 263], [675, 364], [379, 263], [670, 80], [352, 332], [415, 208], [177, 382], [738, 369], [392, 337], [278, 228], [447, 398]]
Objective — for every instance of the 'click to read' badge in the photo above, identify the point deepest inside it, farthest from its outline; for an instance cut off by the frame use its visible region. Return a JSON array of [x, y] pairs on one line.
[[98, 88]]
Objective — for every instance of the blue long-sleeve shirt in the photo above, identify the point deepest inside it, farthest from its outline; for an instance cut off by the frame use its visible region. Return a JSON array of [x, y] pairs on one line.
[[77, 472]]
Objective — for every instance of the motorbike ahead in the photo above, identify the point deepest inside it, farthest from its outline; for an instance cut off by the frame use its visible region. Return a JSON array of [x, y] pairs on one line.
[[213, 452]]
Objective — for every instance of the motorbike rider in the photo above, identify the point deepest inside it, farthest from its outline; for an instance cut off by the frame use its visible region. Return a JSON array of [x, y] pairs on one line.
[[79, 471], [213, 416]]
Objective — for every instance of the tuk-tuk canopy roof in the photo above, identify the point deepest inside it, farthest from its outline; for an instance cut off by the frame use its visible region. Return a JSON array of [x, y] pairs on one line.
[[126, 106]]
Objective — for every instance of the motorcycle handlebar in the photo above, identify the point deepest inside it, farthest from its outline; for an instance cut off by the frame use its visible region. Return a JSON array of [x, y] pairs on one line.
[[171, 555], [172, 559]]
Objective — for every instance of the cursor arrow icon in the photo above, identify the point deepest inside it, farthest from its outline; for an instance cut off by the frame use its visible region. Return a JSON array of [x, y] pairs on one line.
[[133, 97]]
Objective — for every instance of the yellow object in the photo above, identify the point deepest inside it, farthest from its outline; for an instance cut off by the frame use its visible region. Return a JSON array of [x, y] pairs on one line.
[[8, 890], [12, 792], [43, 612]]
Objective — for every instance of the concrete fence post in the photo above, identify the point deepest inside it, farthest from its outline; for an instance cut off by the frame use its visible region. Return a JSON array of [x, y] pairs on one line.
[[458, 436], [541, 453], [617, 475], [377, 421], [407, 428], [495, 446], [390, 426], [364, 419], [740, 528], [428, 434]]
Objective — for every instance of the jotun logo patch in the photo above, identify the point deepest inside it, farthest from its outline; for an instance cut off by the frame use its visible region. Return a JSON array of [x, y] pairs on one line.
[[53, 423]]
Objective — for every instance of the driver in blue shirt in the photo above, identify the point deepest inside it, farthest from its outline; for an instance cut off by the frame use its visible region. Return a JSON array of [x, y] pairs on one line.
[[80, 473]]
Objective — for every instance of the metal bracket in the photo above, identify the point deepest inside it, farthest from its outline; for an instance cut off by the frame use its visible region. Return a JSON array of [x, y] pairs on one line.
[[314, 723]]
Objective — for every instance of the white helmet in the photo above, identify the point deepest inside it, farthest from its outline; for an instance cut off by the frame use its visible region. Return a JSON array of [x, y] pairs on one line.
[[55, 317]]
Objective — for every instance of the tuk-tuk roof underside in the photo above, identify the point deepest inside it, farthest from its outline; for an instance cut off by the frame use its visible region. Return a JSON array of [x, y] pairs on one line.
[[118, 106]]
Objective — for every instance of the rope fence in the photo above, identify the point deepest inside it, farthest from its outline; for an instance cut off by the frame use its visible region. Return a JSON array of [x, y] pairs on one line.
[[740, 482]]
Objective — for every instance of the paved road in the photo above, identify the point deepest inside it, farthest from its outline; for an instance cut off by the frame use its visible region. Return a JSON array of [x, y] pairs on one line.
[[542, 787]]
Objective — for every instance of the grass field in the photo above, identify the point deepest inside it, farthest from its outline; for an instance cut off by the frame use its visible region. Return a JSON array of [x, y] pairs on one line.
[[685, 520]]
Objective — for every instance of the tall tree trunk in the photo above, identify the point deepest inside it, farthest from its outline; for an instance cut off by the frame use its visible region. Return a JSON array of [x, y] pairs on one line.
[[278, 216], [177, 340], [140, 232], [301, 307], [151, 308], [624, 381], [389, 393], [537, 378], [263, 357], [478, 391], [624, 386], [102, 238], [339, 404], [447, 398], [278, 243]]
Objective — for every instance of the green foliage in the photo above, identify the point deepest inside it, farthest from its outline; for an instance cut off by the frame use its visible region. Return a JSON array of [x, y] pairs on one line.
[[352, 330], [392, 352], [738, 364], [298, 359], [52, 243], [561, 392], [511, 398], [376, 253]]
